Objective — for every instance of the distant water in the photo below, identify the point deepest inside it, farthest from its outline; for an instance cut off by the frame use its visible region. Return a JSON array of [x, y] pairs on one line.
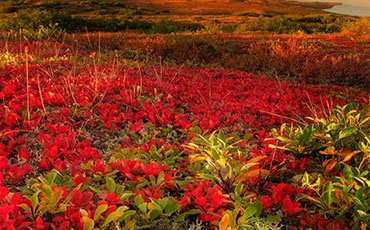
[[351, 7]]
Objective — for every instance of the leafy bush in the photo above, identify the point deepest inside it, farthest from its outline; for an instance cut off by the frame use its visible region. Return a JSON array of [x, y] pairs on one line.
[[33, 19], [337, 133], [29, 19], [166, 26], [361, 26], [345, 197], [293, 24]]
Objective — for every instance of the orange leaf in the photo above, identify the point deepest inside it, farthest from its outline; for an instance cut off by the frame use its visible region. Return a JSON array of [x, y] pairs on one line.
[[344, 151], [329, 165], [195, 159], [329, 151], [350, 155], [224, 222], [338, 194], [254, 172]]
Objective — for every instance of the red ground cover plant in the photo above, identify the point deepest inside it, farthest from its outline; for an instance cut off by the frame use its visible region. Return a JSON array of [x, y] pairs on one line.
[[100, 145]]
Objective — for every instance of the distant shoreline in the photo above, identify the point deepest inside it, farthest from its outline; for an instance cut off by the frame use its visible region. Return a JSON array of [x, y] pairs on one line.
[[358, 8], [316, 4]]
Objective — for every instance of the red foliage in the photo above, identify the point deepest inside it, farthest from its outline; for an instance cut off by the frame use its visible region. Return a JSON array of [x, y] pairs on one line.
[[77, 112]]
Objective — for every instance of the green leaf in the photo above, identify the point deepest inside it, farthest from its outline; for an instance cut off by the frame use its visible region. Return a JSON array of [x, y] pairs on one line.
[[258, 205], [99, 210], [363, 147], [347, 132], [157, 204], [143, 207], [125, 196], [154, 214], [320, 203], [181, 217], [84, 212], [347, 190], [111, 184], [307, 133], [239, 189], [153, 149], [275, 218], [62, 208], [139, 200], [112, 217], [46, 191], [35, 201], [249, 212], [127, 214], [222, 137], [347, 173], [122, 208], [328, 194], [51, 178], [171, 207], [207, 176], [160, 178], [247, 136], [94, 189]]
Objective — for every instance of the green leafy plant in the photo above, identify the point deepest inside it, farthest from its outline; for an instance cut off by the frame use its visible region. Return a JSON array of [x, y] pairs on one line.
[[120, 217], [244, 213], [342, 196], [155, 210], [226, 164], [336, 133]]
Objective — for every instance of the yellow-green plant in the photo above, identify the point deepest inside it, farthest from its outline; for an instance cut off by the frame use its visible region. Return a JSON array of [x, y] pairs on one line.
[[245, 213], [226, 163], [335, 133], [342, 196]]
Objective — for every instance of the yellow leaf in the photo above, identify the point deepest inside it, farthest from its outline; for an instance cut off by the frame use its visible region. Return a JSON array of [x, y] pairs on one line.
[[224, 222], [221, 162], [88, 223], [365, 120], [151, 206], [256, 159], [27, 209]]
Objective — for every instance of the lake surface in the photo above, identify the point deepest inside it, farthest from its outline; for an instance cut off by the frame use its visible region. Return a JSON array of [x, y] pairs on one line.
[[351, 7]]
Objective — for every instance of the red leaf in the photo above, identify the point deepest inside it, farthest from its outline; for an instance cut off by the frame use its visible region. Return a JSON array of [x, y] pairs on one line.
[[4, 191], [76, 197], [290, 207]]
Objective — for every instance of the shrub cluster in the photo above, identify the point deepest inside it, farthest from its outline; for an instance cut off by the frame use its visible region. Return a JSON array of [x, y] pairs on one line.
[[285, 24], [317, 59], [33, 19], [361, 27], [46, 15]]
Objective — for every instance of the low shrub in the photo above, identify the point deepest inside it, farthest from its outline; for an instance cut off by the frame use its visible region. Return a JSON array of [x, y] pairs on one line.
[[361, 27], [166, 26]]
